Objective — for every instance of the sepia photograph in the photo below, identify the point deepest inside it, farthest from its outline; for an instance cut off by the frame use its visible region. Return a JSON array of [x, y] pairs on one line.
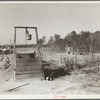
[[50, 48]]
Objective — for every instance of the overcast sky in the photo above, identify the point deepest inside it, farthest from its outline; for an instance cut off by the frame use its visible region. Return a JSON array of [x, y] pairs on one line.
[[49, 18]]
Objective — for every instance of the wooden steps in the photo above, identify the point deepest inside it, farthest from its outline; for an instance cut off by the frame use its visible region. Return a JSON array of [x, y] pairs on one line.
[[28, 68], [29, 76]]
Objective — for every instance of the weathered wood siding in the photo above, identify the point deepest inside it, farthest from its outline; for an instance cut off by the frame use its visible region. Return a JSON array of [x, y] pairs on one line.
[[28, 68]]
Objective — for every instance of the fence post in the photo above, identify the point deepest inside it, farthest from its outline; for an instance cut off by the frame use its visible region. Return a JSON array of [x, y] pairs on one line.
[[65, 63]]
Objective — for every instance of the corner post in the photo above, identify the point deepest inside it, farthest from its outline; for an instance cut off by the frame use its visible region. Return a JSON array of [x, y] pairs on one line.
[[37, 40], [14, 68]]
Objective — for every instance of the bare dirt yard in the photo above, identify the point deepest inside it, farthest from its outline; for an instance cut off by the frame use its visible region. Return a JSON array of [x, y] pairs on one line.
[[82, 81]]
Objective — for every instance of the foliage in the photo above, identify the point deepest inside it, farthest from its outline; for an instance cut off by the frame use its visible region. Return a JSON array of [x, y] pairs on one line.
[[42, 41], [85, 41], [51, 41]]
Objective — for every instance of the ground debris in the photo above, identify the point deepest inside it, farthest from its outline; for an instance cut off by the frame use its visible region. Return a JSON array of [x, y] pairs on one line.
[[5, 62], [17, 87]]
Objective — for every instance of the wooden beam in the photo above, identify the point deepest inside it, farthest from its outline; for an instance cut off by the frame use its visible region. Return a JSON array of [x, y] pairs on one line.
[[13, 69], [37, 41], [25, 27], [17, 87], [92, 47], [15, 41]]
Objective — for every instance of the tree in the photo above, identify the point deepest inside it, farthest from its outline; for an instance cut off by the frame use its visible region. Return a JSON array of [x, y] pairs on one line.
[[40, 42], [51, 41], [96, 41], [44, 39], [57, 38], [71, 39], [58, 42], [84, 42]]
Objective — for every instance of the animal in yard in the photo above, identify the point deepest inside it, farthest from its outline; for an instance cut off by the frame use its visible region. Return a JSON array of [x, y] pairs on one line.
[[50, 74]]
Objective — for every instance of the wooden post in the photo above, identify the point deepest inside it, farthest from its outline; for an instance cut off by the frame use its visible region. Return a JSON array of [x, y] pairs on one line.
[[76, 58], [25, 36], [61, 60], [36, 35], [65, 62], [91, 48], [15, 42], [14, 68], [37, 40]]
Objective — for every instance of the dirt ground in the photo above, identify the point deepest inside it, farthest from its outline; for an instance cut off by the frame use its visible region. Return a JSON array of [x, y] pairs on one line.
[[75, 84], [80, 82]]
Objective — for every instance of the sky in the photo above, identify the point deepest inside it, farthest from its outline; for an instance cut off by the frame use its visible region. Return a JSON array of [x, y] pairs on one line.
[[50, 18]]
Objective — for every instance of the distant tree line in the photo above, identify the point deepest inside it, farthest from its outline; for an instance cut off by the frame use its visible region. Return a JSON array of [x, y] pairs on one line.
[[85, 41]]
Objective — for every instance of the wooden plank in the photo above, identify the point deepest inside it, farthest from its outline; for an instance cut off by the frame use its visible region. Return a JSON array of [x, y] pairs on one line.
[[25, 52], [28, 76], [17, 87], [18, 60], [30, 59], [29, 72], [25, 27], [28, 66], [29, 63], [28, 69]]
